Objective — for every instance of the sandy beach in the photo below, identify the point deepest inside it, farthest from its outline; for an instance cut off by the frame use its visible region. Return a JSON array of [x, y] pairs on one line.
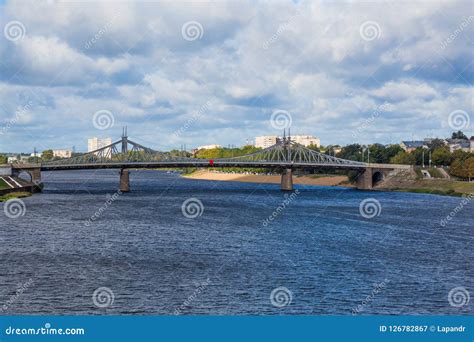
[[306, 180]]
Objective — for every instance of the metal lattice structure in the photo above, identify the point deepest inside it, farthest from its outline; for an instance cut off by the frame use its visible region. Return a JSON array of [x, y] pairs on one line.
[[287, 152], [127, 153]]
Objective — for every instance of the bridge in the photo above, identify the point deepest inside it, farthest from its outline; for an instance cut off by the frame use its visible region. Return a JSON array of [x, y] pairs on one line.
[[285, 156]]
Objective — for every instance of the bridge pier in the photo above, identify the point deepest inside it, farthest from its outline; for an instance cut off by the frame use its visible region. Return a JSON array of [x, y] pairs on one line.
[[287, 180], [124, 180]]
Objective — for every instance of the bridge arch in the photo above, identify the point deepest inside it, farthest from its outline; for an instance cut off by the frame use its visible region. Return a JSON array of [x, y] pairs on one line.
[[25, 175], [377, 177]]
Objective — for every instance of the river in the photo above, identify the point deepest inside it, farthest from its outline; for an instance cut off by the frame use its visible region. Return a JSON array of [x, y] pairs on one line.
[[82, 248]]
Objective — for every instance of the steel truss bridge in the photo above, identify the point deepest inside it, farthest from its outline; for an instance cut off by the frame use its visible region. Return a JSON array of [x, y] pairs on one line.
[[286, 155]]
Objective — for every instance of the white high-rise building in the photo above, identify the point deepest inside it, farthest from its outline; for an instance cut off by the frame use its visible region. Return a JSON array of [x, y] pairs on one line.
[[269, 140], [266, 141], [306, 140], [96, 143]]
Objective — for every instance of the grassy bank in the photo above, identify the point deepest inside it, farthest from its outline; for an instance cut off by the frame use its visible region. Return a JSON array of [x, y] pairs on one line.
[[3, 185], [9, 196], [436, 187]]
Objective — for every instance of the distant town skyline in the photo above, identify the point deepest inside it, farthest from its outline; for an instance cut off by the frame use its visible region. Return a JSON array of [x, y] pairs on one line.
[[181, 74]]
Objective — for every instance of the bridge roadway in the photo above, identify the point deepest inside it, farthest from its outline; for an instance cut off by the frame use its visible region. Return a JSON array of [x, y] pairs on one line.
[[369, 174]]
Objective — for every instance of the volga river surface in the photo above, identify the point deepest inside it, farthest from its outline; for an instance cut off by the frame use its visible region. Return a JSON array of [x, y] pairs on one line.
[[318, 255]]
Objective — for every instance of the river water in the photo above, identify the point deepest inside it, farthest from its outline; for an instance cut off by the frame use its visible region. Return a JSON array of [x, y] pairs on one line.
[[140, 254]]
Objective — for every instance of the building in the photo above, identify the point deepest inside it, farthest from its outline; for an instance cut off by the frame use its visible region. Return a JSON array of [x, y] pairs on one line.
[[410, 146], [37, 154], [270, 140], [472, 145], [459, 144], [96, 143], [266, 141], [208, 147], [62, 153], [306, 140]]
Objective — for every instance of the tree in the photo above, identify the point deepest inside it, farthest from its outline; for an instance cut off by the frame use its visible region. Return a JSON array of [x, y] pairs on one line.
[[441, 156], [351, 152], [436, 143], [403, 157], [469, 168], [458, 135], [456, 168], [3, 159], [47, 155]]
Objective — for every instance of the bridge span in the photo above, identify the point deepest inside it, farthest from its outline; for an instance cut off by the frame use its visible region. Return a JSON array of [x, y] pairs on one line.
[[285, 156]]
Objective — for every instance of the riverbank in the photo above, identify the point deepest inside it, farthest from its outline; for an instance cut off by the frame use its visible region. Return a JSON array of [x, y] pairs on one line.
[[11, 195], [326, 180], [402, 183]]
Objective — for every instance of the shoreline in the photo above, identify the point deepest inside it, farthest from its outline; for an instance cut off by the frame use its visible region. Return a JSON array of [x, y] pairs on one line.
[[432, 187], [323, 180]]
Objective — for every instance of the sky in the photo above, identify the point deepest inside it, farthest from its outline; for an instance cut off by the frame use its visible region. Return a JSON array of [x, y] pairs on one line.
[[200, 73]]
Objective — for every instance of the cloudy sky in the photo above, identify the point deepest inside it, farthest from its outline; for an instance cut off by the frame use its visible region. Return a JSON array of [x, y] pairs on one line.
[[224, 72]]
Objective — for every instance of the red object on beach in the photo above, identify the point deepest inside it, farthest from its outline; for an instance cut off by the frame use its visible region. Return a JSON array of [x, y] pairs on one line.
[[211, 162]]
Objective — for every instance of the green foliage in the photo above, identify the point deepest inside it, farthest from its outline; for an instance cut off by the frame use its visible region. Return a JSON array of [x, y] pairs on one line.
[[47, 155], [441, 157], [459, 135], [3, 159], [351, 152], [403, 157], [226, 152]]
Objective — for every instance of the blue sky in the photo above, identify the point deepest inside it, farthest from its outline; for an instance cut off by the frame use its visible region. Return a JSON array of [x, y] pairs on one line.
[[203, 73]]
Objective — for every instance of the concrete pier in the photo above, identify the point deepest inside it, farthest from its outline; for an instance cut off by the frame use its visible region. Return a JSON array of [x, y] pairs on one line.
[[287, 180], [124, 180]]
